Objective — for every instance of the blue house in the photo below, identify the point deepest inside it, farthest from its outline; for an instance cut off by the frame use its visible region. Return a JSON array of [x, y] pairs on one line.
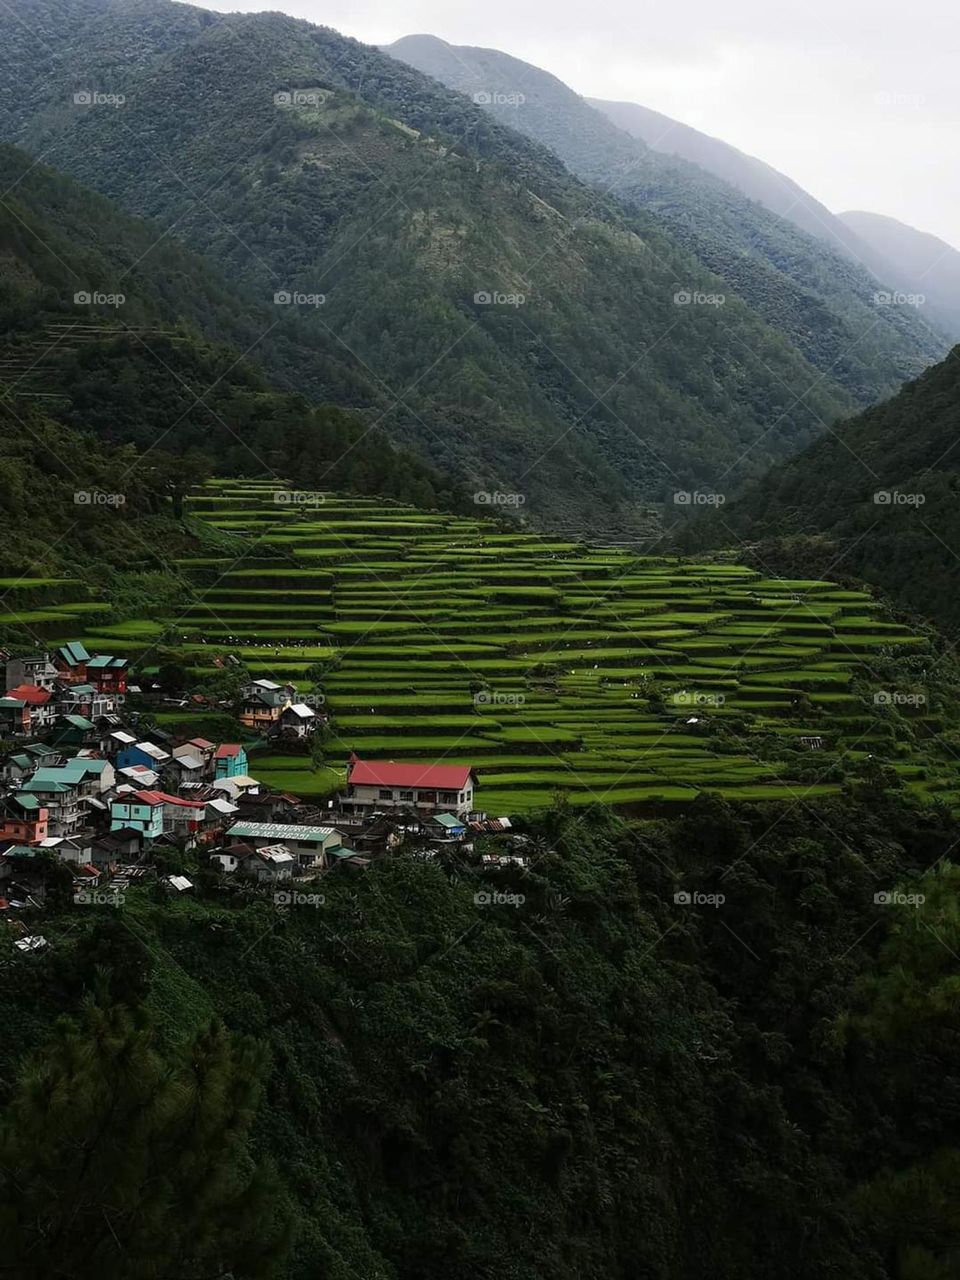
[[138, 811], [230, 761], [142, 753]]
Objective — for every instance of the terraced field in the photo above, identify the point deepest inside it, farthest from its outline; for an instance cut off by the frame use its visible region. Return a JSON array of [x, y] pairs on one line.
[[551, 665]]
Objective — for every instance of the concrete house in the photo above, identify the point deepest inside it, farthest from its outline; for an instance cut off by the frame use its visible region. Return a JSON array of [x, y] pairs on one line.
[[308, 845], [140, 811], [84, 700], [60, 798], [14, 717], [23, 819], [36, 669], [377, 785], [43, 708]]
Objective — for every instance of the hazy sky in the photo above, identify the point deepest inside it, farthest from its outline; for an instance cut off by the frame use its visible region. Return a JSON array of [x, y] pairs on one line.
[[857, 100]]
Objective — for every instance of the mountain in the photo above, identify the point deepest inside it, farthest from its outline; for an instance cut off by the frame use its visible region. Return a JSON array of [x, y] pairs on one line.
[[919, 263], [877, 498], [823, 302], [106, 333], [913, 261], [755, 178], [515, 325]]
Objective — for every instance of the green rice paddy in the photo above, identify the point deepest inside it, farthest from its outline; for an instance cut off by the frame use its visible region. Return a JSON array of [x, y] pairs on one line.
[[552, 666]]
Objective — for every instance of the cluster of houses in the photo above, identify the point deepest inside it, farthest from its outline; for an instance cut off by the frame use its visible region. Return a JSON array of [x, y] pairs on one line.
[[85, 789]]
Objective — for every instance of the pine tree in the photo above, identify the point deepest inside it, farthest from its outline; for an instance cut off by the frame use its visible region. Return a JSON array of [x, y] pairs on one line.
[[118, 1160]]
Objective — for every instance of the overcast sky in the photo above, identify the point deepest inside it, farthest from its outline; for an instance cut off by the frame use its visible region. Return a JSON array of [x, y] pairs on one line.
[[857, 100]]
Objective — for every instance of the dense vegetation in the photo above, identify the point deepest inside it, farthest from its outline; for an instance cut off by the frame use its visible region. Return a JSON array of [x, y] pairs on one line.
[[590, 1078], [173, 365], [402, 202], [809, 292], [920, 263], [876, 499]]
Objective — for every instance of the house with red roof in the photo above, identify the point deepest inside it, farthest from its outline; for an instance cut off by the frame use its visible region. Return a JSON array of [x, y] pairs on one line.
[[229, 761], [42, 709], [385, 785], [140, 811]]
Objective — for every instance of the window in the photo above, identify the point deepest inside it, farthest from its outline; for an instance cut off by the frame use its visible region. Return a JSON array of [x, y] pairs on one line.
[[385, 794], [448, 797], [406, 795]]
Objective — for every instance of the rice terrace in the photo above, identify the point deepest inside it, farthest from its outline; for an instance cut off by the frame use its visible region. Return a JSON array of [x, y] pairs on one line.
[[553, 666]]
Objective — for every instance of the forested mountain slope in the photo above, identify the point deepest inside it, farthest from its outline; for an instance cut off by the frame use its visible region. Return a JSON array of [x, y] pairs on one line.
[[438, 1072], [582, 385], [918, 263], [113, 329], [881, 494], [811, 293]]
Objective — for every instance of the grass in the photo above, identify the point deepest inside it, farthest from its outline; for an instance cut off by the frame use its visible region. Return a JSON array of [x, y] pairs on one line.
[[641, 680]]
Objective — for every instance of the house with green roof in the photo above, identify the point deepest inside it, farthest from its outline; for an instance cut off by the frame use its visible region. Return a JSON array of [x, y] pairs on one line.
[[309, 845], [71, 661], [23, 818]]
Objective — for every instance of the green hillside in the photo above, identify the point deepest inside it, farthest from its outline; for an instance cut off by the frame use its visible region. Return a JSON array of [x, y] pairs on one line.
[[554, 667], [810, 292], [442, 1072], [875, 500], [168, 357], [405, 206]]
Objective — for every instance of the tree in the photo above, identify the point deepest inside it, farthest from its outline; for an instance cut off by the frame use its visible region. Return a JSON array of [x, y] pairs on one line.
[[119, 1161]]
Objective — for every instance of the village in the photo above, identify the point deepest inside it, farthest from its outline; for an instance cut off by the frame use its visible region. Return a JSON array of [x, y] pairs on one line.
[[88, 800]]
